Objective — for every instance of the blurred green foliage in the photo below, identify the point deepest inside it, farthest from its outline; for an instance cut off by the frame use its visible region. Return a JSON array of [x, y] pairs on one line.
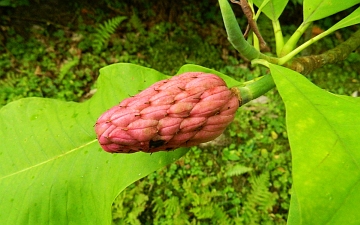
[[244, 177], [13, 3]]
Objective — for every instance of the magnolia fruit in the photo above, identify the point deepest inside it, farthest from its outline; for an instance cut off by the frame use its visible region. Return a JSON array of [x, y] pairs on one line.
[[182, 111]]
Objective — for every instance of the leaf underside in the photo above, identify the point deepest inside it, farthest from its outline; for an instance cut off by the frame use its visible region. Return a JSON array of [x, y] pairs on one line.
[[273, 9]]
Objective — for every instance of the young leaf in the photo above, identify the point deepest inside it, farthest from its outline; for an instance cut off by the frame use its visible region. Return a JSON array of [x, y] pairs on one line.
[[273, 8], [318, 9], [352, 19], [53, 171], [323, 131]]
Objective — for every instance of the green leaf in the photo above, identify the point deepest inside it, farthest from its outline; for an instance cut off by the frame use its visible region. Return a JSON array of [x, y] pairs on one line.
[[66, 67], [273, 9], [352, 19], [318, 9], [53, 171], [323, 131]]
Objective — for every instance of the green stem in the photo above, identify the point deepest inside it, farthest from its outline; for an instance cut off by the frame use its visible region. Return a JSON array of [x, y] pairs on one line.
[[256, 42], [256, 89], [291, 43], [236, 37], [289, 56], [279, 39]]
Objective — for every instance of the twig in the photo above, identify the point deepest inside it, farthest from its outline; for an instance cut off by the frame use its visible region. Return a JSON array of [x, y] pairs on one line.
[[251, 23]]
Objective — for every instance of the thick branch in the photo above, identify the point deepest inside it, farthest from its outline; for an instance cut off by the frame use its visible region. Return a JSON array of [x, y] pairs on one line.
[[307, 64]]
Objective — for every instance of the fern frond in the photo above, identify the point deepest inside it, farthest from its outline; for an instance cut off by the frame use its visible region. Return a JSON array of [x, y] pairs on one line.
[[237, 170], [259, 201], [172, 205], [104, 32], [260, 195], [220, 216], [10, 80], [129, 204]]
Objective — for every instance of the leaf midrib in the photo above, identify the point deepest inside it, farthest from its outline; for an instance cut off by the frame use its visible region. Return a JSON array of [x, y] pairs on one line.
[[49, 160]]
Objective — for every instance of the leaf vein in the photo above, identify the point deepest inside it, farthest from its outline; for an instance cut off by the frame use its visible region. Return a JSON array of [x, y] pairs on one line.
[[49, 160]]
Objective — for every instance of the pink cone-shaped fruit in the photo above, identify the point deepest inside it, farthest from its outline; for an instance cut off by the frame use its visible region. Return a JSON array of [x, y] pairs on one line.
[[183, 111]]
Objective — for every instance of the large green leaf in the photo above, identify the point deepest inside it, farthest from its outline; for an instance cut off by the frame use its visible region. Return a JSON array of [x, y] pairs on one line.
[[318, 9], [53, 171], [273, 9], [352, 19], [324, 131]]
